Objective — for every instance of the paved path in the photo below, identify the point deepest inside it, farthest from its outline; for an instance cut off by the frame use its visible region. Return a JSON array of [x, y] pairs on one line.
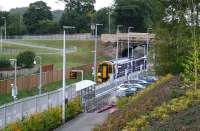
[[85, 122], [20, 43]]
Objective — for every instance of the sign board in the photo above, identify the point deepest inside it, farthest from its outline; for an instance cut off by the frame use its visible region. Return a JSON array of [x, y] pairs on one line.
[[73, 75]]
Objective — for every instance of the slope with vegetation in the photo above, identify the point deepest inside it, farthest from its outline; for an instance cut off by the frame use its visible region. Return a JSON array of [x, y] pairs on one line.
[[130, 108]]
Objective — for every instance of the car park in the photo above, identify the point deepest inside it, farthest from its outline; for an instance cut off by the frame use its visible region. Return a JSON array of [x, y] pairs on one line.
[[128, 89], [148, 78], [141, 82]]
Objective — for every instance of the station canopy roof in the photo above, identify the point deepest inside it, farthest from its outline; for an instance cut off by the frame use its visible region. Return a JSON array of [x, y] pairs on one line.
[[84, 84]]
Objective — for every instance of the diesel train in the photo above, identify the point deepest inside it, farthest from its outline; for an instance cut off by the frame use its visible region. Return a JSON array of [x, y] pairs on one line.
[[114, 69]]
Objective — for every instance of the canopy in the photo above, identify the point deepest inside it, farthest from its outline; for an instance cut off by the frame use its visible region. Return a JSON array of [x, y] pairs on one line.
[[84, 84]]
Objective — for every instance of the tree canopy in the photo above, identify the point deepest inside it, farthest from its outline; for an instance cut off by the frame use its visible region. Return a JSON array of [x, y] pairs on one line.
[[79, 13], [37, 12], [138, 13]]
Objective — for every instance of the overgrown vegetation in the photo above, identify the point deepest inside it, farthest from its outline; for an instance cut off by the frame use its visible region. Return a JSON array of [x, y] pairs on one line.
[[162, 113], [141, 103]]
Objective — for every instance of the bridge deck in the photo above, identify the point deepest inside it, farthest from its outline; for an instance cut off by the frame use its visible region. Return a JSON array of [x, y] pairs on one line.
[[134, 37]]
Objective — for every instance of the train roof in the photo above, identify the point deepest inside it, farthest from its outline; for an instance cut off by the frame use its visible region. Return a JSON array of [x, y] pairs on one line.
[[125, 60]]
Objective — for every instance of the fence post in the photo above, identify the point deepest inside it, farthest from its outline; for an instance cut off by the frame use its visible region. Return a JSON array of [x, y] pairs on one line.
[[21, 109], [5, 120], [36, 103]]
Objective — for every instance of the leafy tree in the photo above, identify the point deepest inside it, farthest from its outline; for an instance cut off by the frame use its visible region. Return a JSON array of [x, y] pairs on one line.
[[38, 11], [26, 59], [102, 17], [138, 13], [15, 24], [78, 13]]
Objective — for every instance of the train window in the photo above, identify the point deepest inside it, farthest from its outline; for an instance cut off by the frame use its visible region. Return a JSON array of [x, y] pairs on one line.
[[110, 68]]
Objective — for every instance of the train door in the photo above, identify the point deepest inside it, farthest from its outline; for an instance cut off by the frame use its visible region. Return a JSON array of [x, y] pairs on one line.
[[105, 72]]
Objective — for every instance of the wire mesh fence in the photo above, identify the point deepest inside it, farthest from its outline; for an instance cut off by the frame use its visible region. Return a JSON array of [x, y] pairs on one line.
[[19, 109]]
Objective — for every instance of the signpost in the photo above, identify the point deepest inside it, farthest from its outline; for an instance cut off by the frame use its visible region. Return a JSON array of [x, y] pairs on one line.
[[74, 73]]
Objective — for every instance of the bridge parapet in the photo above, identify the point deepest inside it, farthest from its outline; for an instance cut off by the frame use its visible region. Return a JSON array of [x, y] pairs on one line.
[[134, 37]]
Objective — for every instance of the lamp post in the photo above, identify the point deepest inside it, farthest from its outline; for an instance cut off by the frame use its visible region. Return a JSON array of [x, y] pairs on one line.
[[147, 51], [129, 30], [117, 50], [64, 70], [35, 62], [14, 62], [1, 40], [95, 50], [109, 21], [4, 25]]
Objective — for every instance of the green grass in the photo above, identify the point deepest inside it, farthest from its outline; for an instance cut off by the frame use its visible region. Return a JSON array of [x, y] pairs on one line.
[[83, 55]]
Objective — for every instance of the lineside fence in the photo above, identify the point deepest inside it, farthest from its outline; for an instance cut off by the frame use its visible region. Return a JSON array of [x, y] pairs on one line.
[[25, 107], [32, 81], [107, 97], [84, 36]]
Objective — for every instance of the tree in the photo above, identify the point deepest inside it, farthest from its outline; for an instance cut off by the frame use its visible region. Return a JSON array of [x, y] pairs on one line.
[[26, 59], [102, 17], [138, 13], [78, 13], [38, 11], [15, 25]]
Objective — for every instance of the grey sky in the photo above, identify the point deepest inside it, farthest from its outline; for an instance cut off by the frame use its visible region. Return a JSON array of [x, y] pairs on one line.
[[8, 4]]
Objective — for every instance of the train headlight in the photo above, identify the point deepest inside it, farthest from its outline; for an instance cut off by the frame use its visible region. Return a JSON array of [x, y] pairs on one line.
[[99, 74]]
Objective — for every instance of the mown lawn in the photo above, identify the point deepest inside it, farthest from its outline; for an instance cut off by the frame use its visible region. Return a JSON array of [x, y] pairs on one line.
[[84, 54]]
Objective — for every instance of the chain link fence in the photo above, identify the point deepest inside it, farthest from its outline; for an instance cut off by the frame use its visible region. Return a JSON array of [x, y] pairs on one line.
[[22, 108]]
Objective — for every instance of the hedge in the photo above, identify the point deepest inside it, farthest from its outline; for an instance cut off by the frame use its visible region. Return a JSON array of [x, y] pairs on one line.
[[4, 63]]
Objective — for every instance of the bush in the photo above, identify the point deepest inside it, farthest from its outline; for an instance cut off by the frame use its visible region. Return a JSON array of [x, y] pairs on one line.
[[4, 63], [45, 121], [26, 59], [73, 108]]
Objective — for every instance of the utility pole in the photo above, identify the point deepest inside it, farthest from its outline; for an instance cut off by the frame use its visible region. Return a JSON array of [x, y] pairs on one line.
[[4, 26], [129, 30], [109, 21], [95, 50], [147, 51], [117, 50], [1, 40], [35, 62], [64, 70], [15, 90]]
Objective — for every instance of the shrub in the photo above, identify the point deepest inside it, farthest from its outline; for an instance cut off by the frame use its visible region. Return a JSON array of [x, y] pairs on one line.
[[4, 63], [45, 121], [52, 118], [163, 112], [73, 108], [26, 59]]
